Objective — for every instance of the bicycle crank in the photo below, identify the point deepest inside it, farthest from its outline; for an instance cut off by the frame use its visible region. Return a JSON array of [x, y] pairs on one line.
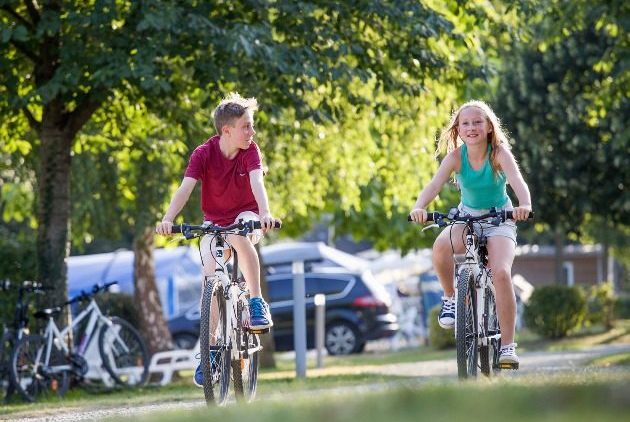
[[79, 364]]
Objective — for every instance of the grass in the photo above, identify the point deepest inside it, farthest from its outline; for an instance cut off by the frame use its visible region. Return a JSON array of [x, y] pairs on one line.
[[339, 373]]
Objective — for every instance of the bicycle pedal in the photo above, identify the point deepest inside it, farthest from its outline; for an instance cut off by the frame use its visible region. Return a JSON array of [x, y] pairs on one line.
[[508, 365], [259, 330]]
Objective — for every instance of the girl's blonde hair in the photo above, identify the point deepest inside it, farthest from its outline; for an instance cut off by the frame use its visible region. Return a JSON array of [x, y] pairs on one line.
[[450, 140]]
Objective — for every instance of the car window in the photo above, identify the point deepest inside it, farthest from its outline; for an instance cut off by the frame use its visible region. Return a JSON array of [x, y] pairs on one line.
[[281, 288], [328, 286]]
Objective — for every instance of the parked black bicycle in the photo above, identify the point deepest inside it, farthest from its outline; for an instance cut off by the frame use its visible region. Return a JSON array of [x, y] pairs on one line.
[[14, 331]]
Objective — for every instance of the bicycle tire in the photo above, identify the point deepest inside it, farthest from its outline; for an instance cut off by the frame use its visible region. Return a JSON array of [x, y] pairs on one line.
[[466, 325], [491, 327], [215, 385], [26, 370], [124, 353], [245, 369]]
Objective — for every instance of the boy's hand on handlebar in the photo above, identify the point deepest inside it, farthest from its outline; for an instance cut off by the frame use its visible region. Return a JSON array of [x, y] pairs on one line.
[[418, 215], [521, 213], [268, 222], [164, 228]]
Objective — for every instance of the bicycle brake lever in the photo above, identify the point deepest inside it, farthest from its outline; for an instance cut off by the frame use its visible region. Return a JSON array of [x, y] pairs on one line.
[[430, 226]]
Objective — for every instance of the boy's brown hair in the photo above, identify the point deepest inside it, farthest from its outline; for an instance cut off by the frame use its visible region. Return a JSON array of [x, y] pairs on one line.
[[231, 108]]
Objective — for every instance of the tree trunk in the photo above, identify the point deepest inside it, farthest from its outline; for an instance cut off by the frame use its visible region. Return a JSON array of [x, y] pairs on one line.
[[152, 324], [559, 256], [267, 359], [54, 211]]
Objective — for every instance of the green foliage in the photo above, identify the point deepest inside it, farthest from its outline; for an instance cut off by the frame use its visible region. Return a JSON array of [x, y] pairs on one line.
[[622, 307], [18, 260], [601, 305], [555, 311], [439, 338], [120, 305], [564, 96]]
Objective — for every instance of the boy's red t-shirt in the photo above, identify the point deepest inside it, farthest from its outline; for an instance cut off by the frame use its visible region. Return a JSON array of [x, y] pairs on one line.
[[225, 188]]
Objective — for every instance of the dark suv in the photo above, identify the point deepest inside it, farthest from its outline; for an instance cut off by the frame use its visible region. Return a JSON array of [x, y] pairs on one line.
[[357, 310]]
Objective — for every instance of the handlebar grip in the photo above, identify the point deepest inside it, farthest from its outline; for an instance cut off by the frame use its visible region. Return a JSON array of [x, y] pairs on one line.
[[430, 216], [177, 228], [258, 225], [510, 216]]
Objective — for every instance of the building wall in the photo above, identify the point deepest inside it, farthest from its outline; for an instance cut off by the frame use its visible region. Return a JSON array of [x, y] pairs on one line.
[[540, 269]]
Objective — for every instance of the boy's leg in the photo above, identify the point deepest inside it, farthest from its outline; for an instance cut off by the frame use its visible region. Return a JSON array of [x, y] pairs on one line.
[[249, 264]]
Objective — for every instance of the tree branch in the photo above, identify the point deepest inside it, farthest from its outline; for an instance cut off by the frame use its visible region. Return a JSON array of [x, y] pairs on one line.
[[24, 50], [32, 121], [32, 11], [19, 17], [81, 114]]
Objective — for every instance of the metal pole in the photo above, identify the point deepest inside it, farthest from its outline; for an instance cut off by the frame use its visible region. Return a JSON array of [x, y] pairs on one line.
[[299, 319], [320, 327]]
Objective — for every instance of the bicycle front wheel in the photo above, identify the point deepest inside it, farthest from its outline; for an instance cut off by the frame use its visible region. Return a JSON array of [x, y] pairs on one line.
[[124, 353], [32, 376], [245, 369], [213, 337], [488, 353], [466, 325]]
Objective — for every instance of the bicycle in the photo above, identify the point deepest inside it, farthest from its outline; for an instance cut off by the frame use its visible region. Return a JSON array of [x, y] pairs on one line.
[[227, 334], [14, 333], [477, 330], [48, 362]]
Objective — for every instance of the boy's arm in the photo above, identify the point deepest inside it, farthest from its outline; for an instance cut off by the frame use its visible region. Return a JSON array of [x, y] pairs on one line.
[[260, 194], [177, 203]]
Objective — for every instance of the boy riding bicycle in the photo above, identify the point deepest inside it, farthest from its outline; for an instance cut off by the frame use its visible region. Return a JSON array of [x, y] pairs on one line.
[[478, 153], [229, 166]]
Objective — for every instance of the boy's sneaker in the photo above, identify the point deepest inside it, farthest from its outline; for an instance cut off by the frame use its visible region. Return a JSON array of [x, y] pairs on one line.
[[214, 365], [446, 319], [260, 318], [508, 355]]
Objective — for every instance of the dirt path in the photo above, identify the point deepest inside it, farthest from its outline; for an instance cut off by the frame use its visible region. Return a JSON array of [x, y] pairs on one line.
[[415, 373]]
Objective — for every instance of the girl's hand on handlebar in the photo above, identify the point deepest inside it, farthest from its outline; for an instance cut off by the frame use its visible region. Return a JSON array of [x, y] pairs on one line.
[[418, 215], [521, 213], [164, 228]]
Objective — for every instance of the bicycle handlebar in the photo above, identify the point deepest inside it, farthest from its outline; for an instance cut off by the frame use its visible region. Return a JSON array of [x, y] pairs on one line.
[[87, 295], [26, 286], [242, 228], [502, 215]]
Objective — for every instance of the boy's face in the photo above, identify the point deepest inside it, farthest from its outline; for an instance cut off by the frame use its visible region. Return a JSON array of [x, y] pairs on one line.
[[473, 126], [242, 132]]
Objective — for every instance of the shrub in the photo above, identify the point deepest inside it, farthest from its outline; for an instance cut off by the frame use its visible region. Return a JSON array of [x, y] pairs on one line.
[[601, 305], [438, 336], [120, 305], [622, 307], [555, 311]]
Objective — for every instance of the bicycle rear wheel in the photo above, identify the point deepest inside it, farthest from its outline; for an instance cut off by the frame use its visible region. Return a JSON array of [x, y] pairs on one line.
[[488, 352], [124, 353], [245, 369], [30, 374], [466, 325], [215, 383]]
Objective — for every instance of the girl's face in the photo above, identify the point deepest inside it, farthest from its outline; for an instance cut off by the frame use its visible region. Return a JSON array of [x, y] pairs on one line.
[[473, 126]]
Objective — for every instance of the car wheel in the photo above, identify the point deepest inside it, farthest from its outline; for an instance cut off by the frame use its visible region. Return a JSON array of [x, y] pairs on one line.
[[341, 338], [184, 341]]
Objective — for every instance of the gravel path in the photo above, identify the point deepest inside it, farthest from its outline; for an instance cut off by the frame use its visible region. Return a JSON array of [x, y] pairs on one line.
[[420, 372]]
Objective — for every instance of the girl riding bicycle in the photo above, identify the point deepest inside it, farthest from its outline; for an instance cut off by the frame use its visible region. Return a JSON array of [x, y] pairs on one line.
[[477, 150]]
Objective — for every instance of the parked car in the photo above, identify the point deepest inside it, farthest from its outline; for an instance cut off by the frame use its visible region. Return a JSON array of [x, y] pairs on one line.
[[357, 310]]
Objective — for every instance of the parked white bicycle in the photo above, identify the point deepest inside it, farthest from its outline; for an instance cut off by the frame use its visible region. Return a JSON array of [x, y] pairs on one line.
[[47, 363], [224, 331]]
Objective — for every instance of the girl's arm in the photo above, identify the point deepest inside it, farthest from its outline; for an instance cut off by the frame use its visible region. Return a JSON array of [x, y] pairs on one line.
[[260, 194], [515, 179], [447, 167]]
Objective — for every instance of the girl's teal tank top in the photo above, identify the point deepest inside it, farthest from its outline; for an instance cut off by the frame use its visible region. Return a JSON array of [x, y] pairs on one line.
[[481, 189]]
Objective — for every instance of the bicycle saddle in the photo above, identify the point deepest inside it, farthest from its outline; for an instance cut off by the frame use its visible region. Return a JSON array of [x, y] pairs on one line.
[[47, 313]]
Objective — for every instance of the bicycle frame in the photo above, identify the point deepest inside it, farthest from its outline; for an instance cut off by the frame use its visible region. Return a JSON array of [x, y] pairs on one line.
[[483, 279]]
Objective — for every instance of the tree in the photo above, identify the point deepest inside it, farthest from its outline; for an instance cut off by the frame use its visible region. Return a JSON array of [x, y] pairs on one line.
[[63, 60], [565, 98]]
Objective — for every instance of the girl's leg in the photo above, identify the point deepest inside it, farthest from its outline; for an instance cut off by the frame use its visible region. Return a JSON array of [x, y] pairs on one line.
[[443, 256], [500, 257]]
